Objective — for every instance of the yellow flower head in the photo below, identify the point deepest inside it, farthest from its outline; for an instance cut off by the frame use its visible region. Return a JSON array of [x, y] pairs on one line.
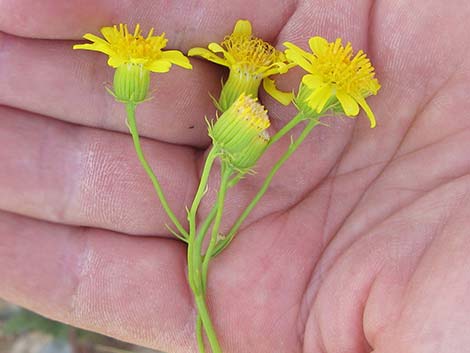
[[333, 73], [124, 47], [250, 60], [134, 57], [240, 133]]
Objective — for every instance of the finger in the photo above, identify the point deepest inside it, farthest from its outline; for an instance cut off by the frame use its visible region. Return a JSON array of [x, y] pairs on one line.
[[409, 52], [359, 290], [327, 18], [318, 156], [433, 297], [414, 136], [69, 20], [190, 124], [69, 174], [49, 78], [417, 92], [132, 289]]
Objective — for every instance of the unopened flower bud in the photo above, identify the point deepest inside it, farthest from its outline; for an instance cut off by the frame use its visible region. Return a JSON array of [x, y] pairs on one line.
[[239, 133]]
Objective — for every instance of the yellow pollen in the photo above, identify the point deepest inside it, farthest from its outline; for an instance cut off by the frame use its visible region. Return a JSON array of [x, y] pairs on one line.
[[336, 67], [251, 52], [251, 61], [334, 72], [135, 46], [251, 111], [123, 47]]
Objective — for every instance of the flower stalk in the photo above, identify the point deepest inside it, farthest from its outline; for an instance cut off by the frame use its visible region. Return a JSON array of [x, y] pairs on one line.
[[336, 81], [292, 148], [131, 121], [203, 264], [198, 263]]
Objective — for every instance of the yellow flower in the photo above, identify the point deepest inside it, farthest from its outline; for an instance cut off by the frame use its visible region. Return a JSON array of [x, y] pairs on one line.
[[134, 57], [334, 75], [240, 133], [250, 60], [124, 47]]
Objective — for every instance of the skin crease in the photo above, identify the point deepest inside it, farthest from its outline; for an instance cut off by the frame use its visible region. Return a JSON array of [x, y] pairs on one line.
[[361, 243]]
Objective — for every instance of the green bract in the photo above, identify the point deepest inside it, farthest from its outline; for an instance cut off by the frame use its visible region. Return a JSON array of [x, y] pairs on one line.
[[239, 133], [131, 83]]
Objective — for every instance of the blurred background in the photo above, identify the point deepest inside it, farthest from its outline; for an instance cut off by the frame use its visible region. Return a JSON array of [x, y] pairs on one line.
[[22, 331]]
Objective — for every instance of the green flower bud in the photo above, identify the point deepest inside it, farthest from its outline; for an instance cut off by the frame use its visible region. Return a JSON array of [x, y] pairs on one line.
[[131, 83], [246, 159], [239, 133]]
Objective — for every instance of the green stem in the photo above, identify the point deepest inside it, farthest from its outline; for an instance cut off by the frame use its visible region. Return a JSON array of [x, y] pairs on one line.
[[210, 217], [138, 148], [200, 339], [195, 243], [205, 226], [206, 321], [292, 148], [201, 190], [286, 128], [201, 269], [192, 241], [224, 183]]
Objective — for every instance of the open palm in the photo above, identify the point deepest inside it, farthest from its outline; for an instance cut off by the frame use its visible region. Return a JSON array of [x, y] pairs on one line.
[[361, 243]]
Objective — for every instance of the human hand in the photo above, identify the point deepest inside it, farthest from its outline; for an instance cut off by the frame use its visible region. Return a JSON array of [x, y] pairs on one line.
[[360, 244]]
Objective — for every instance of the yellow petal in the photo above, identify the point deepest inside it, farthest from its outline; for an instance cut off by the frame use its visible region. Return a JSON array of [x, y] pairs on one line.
[[208, 55], [95, 47], [243, 27], [349, 104], [176, 57], [276, 68], [375, 86], [95, 39], [362, 102], [319, 97], [298, 56], [215, 47], [158, 41], [318, 45], [282, 97], [98, 44], [115, 61], [159, 66], [109, 33], [312, 81]]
